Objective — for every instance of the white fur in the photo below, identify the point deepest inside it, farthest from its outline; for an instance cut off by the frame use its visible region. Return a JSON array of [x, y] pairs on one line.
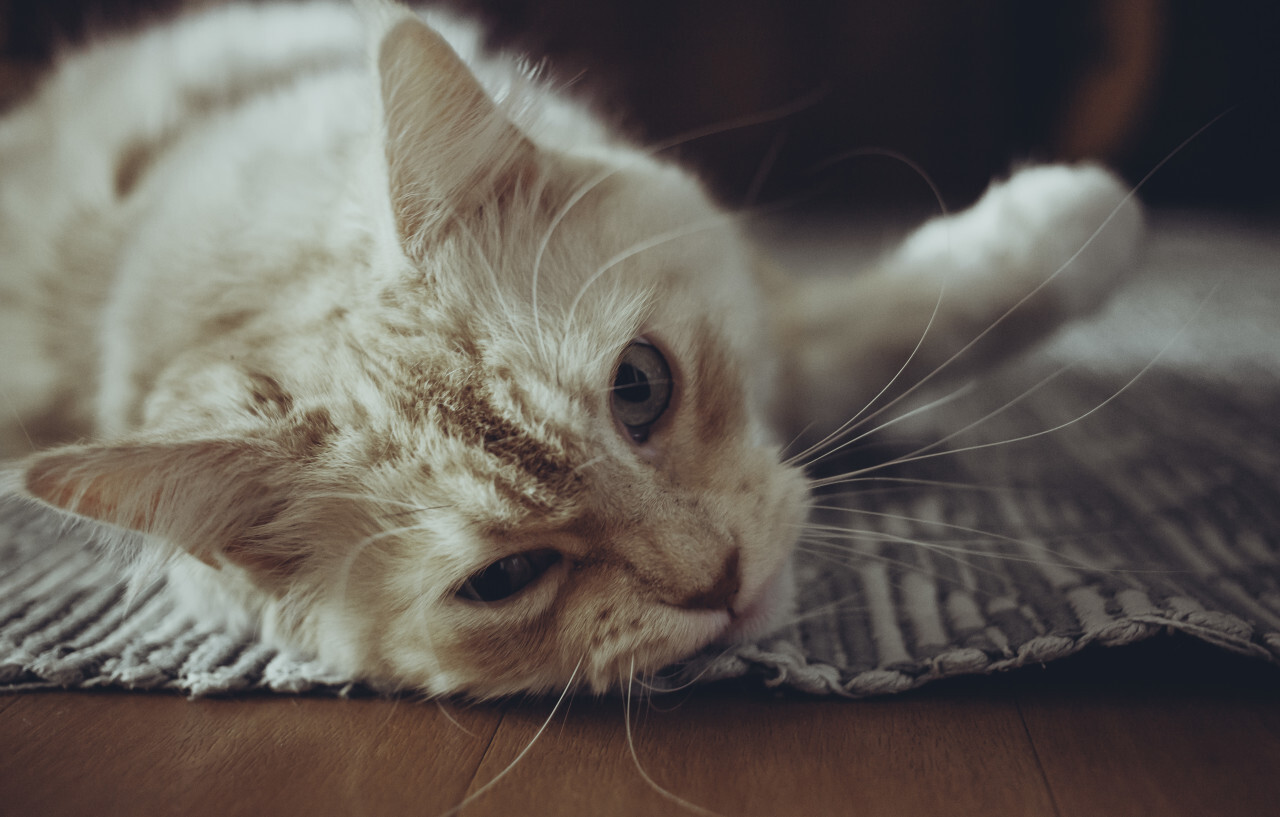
[[329, 393]]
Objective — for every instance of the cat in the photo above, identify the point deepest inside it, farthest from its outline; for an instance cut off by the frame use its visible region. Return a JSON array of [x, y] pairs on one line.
[[382, 346]]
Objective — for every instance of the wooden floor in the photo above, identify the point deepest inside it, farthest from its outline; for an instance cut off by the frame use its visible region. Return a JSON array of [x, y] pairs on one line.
[[1163, 729]]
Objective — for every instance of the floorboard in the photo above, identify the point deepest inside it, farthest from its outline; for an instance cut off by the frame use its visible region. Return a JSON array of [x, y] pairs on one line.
[[732, 752], [130, 754], [1140, 754], [1180, 730]]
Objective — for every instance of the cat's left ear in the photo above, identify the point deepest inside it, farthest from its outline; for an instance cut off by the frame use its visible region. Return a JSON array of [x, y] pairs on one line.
[[221, 501], [448, 145]]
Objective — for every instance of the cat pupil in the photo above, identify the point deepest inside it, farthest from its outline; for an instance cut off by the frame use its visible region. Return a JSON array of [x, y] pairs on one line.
[[632, 385]]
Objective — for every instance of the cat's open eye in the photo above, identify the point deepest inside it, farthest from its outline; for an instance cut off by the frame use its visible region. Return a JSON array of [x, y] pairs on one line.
[[641, 389], [507, 576]]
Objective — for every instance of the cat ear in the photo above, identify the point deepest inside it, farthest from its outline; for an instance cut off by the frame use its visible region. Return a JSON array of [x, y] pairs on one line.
[[214, 499], [448, 146]]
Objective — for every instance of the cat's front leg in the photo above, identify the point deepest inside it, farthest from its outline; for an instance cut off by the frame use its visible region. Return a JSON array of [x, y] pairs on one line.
[[961, 292]]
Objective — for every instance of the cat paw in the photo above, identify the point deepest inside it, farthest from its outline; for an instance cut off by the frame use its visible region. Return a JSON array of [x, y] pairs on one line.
[[1080, 230], [1071, 229]]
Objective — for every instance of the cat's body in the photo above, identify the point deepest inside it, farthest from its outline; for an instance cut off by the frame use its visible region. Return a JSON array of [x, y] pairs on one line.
[[460, 395]]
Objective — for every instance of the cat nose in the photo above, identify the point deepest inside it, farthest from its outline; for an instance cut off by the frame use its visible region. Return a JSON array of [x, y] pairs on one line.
[[722, 592]]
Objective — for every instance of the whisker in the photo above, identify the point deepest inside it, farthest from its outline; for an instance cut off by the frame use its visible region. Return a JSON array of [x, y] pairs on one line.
[[687, 684], [905, 482], [766, 165], [631, 746], [761, 118], [888, 153], [853, 423], [951, 547], [918, 456], [950, 397], [919, 520], [636, 249], [449, 717], [802, 616], [348, 561], [996, 412], [828, 552], [1022, 396], [548, 234], [494, 780], [1126, 199]]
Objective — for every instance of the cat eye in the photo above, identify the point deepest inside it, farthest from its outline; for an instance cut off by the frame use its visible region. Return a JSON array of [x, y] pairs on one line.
[[507, 576], [641, 389]]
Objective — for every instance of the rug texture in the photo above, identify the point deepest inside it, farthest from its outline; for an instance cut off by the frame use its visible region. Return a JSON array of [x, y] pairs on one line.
[[1121, 482]]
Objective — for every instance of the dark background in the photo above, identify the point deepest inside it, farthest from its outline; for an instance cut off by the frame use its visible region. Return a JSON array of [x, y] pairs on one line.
[[961, 88]]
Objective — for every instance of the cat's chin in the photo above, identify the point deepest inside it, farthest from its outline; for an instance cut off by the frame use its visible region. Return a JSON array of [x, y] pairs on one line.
[[770, 609]]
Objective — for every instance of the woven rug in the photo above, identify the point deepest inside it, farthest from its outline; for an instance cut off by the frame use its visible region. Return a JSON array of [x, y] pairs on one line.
[[1135, 491]]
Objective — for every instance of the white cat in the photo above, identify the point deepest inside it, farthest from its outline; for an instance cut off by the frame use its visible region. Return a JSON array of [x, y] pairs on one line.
[[392, 352]]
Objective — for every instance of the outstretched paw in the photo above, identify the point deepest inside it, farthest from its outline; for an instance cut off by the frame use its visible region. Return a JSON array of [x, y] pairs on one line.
[[1076, 227]]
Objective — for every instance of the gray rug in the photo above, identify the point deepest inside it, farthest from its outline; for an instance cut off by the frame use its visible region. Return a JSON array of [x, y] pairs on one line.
[[1152, 503]]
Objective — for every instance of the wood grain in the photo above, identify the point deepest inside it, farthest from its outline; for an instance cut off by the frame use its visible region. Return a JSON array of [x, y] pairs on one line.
[[1138, 755], [86, 753], [737, 754], [1194, 733]]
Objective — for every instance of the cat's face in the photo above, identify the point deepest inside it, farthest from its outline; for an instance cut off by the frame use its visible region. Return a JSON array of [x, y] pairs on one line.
[[517, 438], [581, 480], [602, 444]]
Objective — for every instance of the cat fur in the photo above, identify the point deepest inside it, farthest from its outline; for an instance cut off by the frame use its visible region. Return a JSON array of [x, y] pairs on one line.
[[318, 312]]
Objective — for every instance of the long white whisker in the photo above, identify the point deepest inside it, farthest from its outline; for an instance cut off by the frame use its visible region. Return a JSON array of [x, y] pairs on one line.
[[1043, 432], [761, 118], [766, 165], [889, 153], [853, 423], [636, 249], [950, 397], [769, 115], [996, 412], [561, 214], [871, 535], [348, 561], [952, 547], [494, 780], [449, 717], [1126, 199], [631, 746], [919, 520], [832, 553], [904, 482], [683, 686]]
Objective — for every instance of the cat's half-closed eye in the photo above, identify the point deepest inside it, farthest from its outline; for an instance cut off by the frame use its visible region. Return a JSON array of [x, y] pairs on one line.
[[508, 576]]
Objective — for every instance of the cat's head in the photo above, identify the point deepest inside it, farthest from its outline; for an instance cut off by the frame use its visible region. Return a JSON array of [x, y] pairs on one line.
[[514, 437]]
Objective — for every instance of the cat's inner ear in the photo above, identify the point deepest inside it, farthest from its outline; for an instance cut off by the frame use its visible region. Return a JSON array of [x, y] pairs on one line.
[[211, 498], [448, 145]]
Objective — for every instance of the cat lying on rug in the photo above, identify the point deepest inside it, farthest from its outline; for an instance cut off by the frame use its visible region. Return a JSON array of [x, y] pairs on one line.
[[386, 349]]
